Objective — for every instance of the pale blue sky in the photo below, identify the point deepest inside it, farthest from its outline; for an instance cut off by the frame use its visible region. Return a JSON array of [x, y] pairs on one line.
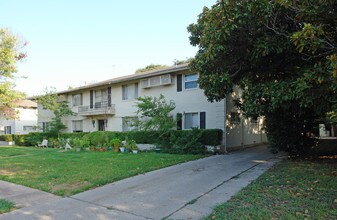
[[76, 41]]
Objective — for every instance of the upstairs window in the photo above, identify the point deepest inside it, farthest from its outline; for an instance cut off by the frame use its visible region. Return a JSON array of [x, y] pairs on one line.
[[130, 91], [77, 100], [191, 81], [101, 97]]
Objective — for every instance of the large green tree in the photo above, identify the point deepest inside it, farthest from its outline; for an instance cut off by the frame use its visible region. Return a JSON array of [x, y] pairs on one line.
[[10, 54], [282, 54]]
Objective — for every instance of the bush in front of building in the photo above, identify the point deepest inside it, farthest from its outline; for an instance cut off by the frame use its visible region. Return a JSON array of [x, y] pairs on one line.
[[6, 137], [176, 141], [185, 142]]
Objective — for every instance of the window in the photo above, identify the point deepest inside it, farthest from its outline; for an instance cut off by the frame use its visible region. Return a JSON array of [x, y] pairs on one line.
[[8, 130], [77, 100], [191, 120], [235, 117], [45, 126], [130, 91], [28, 128], [101, 96], [128, 123], [77, 126], [191, 81]]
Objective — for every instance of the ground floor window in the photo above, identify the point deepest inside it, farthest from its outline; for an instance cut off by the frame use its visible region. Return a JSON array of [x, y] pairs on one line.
[[191, 120], [235, 117], [77, 126], [128, 124], [102, 124], [28, 128], [8, 130], [45, 126]]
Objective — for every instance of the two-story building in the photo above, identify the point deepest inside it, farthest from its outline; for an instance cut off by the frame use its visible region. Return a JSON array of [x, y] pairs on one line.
[[109, 105], [25, 120]]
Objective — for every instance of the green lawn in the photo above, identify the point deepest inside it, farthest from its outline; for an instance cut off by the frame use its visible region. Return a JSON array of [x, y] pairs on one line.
[[6, 206], [290, 190], [67, 173]]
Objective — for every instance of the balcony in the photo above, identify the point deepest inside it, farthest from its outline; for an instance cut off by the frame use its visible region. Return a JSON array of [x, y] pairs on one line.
[[102, 108]]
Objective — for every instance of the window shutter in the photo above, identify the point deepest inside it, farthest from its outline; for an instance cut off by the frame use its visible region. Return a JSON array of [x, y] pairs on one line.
[[179, 121], [202, 120], [109, 96], [136, 90], [179, 83], [91, 99]]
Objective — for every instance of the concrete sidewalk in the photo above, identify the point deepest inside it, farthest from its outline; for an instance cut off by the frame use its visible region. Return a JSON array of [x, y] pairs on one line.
[[24, 196], [185, 191]]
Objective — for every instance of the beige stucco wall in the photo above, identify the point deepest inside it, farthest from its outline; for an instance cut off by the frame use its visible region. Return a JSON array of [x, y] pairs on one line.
[[187, 101], [25, 117], [245, 132]]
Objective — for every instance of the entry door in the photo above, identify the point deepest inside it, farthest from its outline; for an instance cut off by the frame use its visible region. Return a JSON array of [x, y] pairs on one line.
[[101, 125]]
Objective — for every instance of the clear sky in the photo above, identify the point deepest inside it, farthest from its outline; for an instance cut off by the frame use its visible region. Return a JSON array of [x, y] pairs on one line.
[[76, 41]]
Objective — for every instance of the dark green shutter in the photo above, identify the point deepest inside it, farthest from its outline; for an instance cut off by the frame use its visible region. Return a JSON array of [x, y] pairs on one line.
[[91, 99], [179, 121], [202, 120], [179, 83], [109, 96]]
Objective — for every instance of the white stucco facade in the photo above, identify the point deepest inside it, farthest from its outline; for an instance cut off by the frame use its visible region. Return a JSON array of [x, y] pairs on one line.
[[25, 121], [177, 84]]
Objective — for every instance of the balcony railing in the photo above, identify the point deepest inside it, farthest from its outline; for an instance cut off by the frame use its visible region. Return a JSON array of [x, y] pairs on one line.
[[101, 108]]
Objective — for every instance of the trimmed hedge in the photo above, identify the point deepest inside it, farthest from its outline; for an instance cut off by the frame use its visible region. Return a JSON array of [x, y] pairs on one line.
[[6, 137], [211, 137]]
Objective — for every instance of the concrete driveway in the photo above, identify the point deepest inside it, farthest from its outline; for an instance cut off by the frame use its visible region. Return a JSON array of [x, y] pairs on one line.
[[184, 191]]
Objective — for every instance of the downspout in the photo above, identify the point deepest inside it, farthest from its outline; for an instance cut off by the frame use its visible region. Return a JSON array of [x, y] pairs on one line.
[[242, 132], [225, 125]]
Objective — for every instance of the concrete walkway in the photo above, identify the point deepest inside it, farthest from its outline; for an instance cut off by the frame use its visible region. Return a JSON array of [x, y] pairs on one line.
[[185, 191]]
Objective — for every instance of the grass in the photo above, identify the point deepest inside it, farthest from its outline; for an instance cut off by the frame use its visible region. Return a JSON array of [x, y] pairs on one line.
[[290, 190], [68, 173], [6, 206]]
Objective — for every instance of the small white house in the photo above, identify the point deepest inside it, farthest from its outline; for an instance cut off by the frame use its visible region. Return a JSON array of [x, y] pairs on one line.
[[25, 120], [109, 105]]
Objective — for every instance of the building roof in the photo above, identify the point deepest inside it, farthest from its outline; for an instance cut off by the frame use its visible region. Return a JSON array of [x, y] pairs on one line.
[[136, 76], [26, 104]]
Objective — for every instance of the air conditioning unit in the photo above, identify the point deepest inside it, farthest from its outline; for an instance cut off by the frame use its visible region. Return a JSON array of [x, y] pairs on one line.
[[144, 83], [156, 81], [165, 79]]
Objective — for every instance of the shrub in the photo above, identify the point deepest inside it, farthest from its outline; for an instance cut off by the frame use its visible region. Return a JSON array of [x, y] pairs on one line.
[[34, 138], [6, 137], [80, 143], [176, 138], [73, 135], [211, 137], [19, 139], [186, 142]]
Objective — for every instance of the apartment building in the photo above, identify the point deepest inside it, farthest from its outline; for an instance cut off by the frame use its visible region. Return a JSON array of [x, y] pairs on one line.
[[25, 120], [109, 105]]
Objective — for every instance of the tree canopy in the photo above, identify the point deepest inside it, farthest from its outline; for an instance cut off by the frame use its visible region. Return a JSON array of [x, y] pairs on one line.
[[151, 67], [154, 114], [282, 54], [10, 54], [52, 101]]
